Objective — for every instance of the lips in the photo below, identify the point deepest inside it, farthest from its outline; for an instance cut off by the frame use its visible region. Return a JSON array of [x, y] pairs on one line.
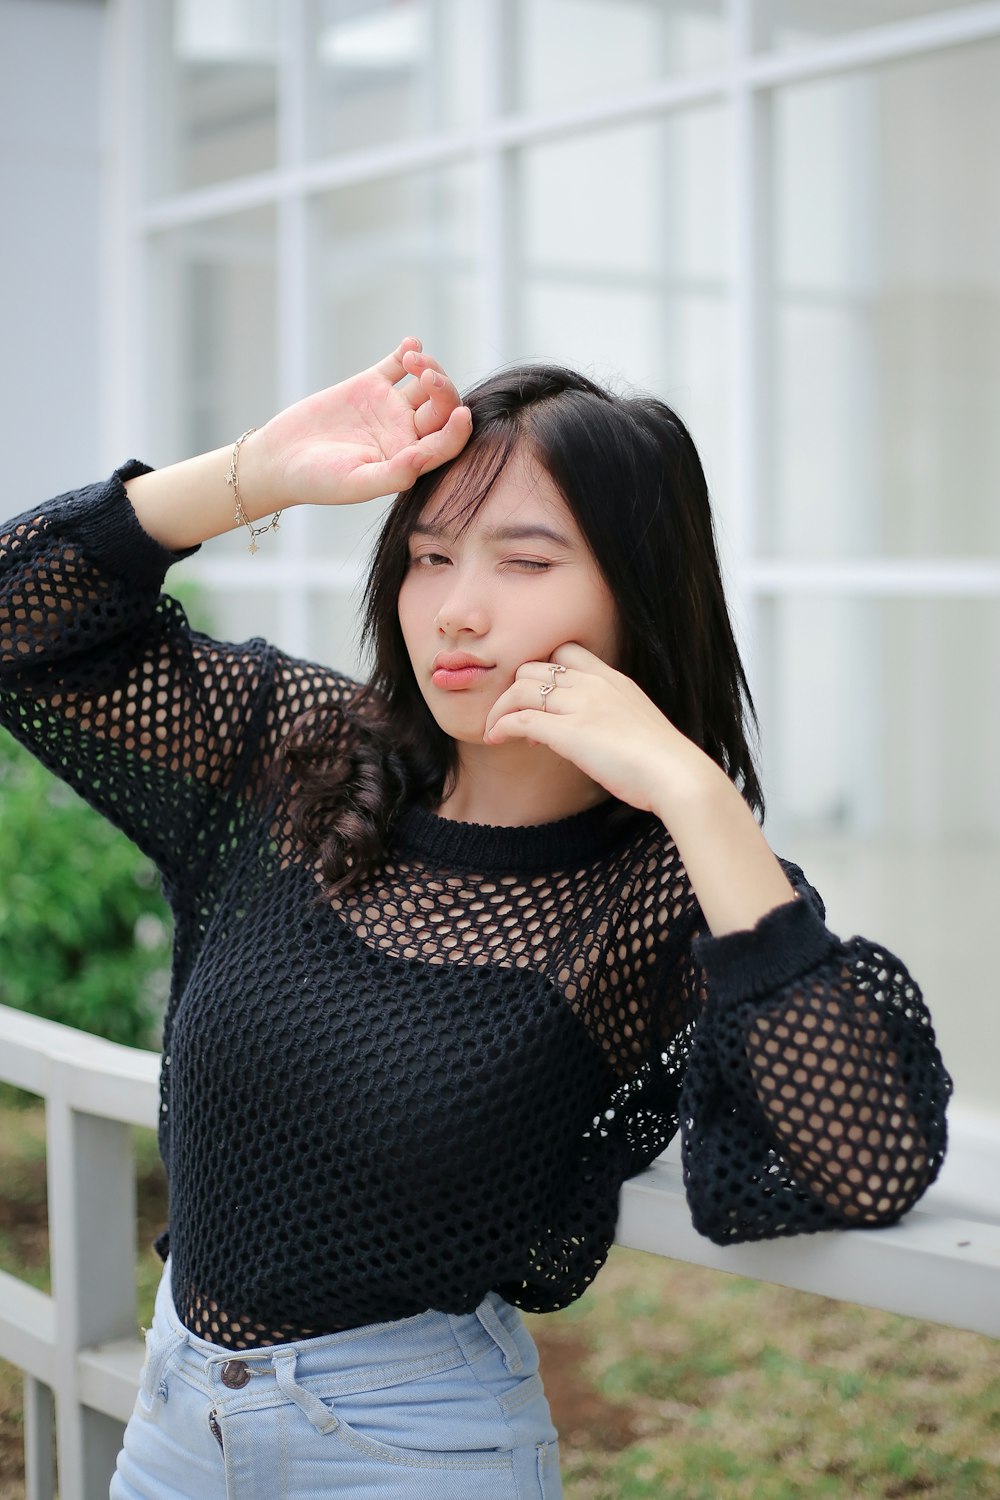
[[453, 670], [454, 661]]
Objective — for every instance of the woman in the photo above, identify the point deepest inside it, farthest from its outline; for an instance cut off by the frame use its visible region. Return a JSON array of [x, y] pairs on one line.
[[459, 949]]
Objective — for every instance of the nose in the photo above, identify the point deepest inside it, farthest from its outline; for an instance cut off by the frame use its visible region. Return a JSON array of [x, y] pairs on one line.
[[462, 611]]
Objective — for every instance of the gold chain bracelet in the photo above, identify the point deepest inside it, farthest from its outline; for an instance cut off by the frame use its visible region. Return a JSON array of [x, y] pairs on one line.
[[233, 478]]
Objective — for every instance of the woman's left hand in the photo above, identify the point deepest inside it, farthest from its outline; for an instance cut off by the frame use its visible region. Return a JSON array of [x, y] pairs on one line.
[[604, 723]]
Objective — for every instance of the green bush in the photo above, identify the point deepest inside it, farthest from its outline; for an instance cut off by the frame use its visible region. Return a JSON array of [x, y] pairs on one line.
[[84, 930]]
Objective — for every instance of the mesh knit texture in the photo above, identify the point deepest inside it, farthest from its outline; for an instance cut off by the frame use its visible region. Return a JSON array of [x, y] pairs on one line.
[[435, 1085]]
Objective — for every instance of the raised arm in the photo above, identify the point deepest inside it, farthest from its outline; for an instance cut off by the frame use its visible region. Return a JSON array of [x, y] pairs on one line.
[[366, 437], [101, 675]]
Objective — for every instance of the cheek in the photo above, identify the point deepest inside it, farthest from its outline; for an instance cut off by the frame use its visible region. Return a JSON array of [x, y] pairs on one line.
[[411, 644], [405, 607], [597, 615], [614, 636], [605, 613]]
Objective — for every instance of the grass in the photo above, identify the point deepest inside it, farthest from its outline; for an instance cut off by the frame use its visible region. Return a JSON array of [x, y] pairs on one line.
[[666, 1381], [703, 1386]]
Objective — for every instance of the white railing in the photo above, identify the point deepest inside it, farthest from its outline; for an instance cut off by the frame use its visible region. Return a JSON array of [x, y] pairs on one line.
[[79, 1347]]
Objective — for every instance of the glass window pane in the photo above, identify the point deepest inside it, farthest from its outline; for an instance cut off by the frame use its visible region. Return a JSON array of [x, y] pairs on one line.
[[631, 283], [881, 737], [886, 311], [393, 257], [235, 614], [879, 716], [569, 52], [334, 619], [212, 73], [212, 324], [387, 72], [787, 24]]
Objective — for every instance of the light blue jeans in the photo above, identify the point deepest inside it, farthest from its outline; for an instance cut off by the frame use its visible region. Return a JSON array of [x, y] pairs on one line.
[[442, 1406]]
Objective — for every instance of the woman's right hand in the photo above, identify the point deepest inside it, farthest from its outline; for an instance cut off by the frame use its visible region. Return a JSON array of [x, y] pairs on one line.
[[366, 437]]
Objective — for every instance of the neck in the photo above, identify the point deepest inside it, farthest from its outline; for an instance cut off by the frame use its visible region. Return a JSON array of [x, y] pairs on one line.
[[517, 785]]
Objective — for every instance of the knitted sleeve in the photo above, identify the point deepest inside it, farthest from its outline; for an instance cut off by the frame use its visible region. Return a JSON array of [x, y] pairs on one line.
[[815, 1095], [103, 679]]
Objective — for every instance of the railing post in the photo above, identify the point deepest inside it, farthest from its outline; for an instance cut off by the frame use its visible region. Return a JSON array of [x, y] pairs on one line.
[[92, 1213], [39, 1411]]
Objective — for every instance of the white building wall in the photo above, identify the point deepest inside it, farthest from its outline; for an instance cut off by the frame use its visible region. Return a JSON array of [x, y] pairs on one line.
[[51, 348]]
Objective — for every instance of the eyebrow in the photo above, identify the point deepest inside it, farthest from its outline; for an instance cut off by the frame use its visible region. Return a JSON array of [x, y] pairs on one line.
[[498, 533]]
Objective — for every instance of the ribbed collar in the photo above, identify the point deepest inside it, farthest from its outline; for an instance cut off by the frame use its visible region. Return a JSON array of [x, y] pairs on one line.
[[563, 844]]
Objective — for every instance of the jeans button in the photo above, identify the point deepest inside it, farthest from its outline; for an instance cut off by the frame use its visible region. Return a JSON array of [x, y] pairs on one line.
[[235, 1374]]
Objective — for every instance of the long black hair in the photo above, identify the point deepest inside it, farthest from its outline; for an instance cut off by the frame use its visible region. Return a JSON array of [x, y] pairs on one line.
[[629, 472]]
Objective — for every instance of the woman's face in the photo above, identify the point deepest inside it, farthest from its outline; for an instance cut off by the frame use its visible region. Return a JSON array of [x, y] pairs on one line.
[[503, 599]]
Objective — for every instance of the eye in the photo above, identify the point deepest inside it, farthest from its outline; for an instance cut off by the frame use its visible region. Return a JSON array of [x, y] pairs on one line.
[[527, 562]]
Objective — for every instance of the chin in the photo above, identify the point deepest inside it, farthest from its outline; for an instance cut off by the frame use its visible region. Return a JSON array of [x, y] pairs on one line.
[[465, 727], [466, 734]]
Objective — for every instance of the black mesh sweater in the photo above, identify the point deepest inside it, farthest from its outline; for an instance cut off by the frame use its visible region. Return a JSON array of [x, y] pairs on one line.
[[436, 1086]]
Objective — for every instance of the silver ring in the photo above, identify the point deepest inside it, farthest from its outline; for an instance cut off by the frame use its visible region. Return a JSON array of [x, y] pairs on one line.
[[549, 687]]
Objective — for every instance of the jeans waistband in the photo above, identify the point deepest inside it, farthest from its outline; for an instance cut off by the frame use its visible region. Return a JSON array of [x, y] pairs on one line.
[[357, 1359]]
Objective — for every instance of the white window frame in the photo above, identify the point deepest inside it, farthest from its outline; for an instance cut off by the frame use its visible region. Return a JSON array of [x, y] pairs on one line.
[[745, 85]]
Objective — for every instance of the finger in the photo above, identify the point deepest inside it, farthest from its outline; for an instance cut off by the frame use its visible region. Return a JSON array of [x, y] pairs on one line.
[[448, 441], [442, 399], [392, 366], [416, 363], [542, 671], [400, 471], [524, 694], [571, 654], [526, 724]]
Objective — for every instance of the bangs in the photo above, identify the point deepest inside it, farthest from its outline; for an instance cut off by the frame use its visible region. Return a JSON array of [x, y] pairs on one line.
[[474, 474]]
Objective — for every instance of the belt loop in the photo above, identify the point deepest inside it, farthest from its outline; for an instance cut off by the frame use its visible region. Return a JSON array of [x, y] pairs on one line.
[[153, 1383], [322, 1418], [490, 1319]]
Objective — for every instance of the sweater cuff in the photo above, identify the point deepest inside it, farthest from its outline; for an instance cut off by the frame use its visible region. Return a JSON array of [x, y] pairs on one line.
[[109, 531], [785, 944]]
